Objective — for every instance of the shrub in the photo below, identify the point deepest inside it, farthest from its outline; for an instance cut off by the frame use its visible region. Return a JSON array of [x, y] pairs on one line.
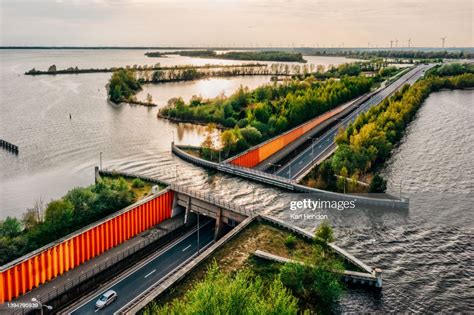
[[138, 183], [290, 241]]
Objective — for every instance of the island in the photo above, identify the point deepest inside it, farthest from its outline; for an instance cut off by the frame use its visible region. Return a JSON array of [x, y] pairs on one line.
[[267, 55]]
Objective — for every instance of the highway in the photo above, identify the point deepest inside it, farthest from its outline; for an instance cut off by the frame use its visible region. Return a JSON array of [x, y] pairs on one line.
[[136, 281], [325, 143]]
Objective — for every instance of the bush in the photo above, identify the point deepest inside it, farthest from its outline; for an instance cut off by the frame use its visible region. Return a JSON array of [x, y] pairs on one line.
[[324, 233], [290, 241], [138, 183], [378, 184], [223, 293]]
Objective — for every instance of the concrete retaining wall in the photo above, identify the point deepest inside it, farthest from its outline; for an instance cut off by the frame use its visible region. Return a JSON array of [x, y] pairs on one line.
[[285, 183]]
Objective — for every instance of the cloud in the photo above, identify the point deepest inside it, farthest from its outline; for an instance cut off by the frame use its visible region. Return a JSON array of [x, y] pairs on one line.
[[242, 22]]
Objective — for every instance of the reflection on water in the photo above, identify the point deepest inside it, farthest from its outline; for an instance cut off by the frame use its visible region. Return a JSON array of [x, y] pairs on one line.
[[206, 88]]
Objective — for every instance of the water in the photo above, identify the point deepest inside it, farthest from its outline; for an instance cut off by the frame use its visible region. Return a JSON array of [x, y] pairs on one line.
[[57, 154], [425, 253]]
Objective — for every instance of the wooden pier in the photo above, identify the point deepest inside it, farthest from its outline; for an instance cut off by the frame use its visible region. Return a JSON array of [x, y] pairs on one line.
[[9, 146]]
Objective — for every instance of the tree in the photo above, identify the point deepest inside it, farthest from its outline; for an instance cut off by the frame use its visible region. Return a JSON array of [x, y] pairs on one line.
[[324, 233], [228, 140], [208, 142], [149, 98], [378, 184], [30, 219], [224, 293], [58, 211], [10, 227], [251, 135], [52, 68]]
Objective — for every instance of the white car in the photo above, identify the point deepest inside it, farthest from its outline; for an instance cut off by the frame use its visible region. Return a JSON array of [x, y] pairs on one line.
[[105, 299]]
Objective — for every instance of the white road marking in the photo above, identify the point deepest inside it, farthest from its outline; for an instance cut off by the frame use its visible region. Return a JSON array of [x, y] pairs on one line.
[[150, 273], [186, 247], [96, 310]]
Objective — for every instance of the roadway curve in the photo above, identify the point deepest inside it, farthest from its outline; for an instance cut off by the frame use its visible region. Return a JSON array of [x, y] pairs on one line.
[[320, 148], [155, 269]]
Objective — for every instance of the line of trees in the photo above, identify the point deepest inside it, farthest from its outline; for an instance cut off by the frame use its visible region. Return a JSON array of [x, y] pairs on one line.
[[253, 116], [367, 143], [75, 70], [42, 225], [394, 54], [280, 56]]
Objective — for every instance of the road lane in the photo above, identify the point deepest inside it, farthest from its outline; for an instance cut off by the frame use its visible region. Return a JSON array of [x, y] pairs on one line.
[[132, 285], [325, 142]]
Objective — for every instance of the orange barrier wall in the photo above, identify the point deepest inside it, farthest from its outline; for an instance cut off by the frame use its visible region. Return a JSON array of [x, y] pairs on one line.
[[255, 156], [58, 258]]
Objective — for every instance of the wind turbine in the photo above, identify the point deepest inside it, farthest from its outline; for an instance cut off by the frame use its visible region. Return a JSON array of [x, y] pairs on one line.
[[391, 43], [443, 39], [396, 43], [409, 42]]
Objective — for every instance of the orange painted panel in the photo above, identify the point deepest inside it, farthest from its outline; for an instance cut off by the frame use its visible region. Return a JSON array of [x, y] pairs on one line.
[[258, 154], [66, 256], [96, 236], [120, 234], [36, 272], [2, 287], [24, 277], [55, 261], [31, 281], [16, 280], [62, 257], [49, 269], [42, 263], [102, 236], [107, 235], [8, 285]]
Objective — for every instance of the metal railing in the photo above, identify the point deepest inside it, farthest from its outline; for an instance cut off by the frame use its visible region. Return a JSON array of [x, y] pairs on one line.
[[152, 236], [212, 199]]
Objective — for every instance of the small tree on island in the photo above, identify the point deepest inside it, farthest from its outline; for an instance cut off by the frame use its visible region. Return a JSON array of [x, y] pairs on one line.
[[149, 98], [52, 68]]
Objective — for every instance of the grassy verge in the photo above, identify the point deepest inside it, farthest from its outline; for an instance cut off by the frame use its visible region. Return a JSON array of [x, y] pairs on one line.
[[234, 255]]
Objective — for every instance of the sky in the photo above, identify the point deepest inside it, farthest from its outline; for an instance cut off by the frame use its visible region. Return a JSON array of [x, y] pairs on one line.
[[249, 23]]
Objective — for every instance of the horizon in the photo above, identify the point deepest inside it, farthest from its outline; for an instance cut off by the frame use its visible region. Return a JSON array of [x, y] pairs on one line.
[[245, 48]]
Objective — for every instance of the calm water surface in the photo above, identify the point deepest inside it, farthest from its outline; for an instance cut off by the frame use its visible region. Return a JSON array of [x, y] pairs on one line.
[[426, 252]]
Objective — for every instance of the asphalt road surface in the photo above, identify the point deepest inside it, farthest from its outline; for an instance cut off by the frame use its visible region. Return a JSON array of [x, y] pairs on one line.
[[132, 285], [325, 142]]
